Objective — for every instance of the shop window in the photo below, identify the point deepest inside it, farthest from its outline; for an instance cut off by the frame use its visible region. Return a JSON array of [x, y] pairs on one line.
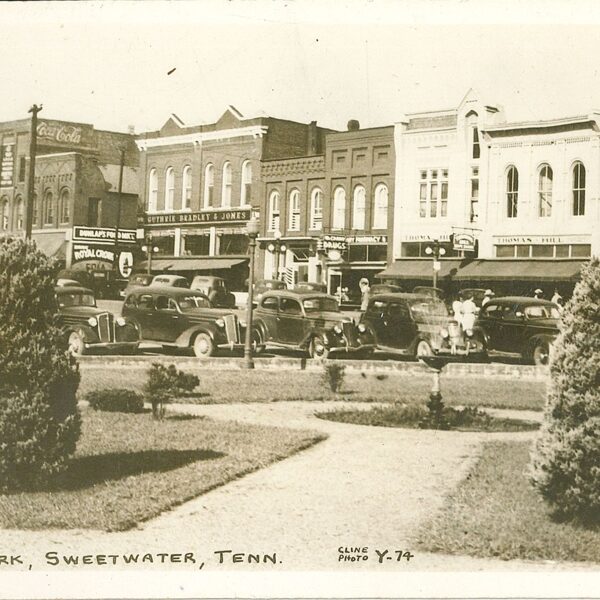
[[542, 251], [226, 185], [4, 213], [512, 192], [359, 207], [48, 208], [474, 194], [93, 216], [186, 188], [581, 250], [197, 245], [169, 189], [411, 250], [274, 211], [20, 213], [433, 193], [234, 243], [209, 185], [294, 224], [562, 250], [165, 244], [65, 206], [246, 190], [523, 251], [377, 253], [316, 209], [505, 251], [578, 189], [545, 191], [381, 207], [339, 208], [153, 191]]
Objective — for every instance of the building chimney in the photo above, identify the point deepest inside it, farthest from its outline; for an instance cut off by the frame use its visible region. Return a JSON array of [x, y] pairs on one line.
[[313, 139], [131, 129], [353, 125]]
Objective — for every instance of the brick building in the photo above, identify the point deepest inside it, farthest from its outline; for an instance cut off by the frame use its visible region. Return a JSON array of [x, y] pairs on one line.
[[75, 194]]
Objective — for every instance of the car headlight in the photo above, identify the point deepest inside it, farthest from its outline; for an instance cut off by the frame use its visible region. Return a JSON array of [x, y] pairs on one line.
[[121, 322], [445, 333], [469, 332], [220, 323], [362, 328], [92, 322], [337, 329]]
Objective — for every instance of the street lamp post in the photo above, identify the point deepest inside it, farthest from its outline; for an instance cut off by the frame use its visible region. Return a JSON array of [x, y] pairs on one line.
[[149, 250], [252, 229], [277, 248], [435, 251]]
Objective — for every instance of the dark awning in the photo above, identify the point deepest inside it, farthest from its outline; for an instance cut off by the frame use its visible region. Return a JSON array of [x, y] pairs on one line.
[[51, 244], [211, 263], [498, 269], [420, 268]]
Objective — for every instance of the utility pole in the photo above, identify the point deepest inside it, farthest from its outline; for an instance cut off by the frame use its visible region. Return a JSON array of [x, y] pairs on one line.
[[34, 110], [119, 193]]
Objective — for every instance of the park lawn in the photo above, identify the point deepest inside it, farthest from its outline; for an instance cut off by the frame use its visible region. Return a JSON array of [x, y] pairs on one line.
[[496, 513], [227, 386], [129, 468]]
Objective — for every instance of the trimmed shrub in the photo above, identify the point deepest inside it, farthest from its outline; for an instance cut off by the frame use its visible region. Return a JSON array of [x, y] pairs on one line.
[[39, 420], [116, 400], [333, 376], [164, 384], [566, 458]]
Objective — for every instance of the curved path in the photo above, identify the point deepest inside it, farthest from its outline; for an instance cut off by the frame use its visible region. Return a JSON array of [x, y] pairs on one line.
[[362, 487]]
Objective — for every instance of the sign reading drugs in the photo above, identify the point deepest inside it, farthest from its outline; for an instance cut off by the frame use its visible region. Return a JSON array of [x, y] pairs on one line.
[[332, 242]]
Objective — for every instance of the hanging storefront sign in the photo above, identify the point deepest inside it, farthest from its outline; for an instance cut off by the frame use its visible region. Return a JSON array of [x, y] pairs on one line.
[[332, 242], [104, 235], [7, 165], [229, 215], [96, 253], [463, 241]]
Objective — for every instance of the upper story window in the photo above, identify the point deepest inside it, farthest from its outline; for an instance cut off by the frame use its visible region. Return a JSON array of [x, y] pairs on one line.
[[48, 208], [475, 143], [34, 209], [474, 194], [65, 206], [4, 213], [186, 188], [246, 189], [578, 189], [226, 186], [94, 212], [433, 193], [359, 207], [274, 211], [294, 223], [512, 192], [209, 185], [545, 191], [20, 213], [316, 209], [153, 191], [169, 188], [380, 212], [339, 208]]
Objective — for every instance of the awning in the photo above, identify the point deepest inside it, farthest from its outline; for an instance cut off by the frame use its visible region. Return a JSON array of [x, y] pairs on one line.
[[520, 270], [211, 263], [51, 244], [419, 268]]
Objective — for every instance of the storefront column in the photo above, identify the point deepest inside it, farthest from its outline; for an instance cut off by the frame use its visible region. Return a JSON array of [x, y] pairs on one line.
[[212, 244], [177, 242]]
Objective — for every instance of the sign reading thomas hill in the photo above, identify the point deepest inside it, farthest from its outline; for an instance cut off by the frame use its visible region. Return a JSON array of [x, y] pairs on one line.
[[229, 215]]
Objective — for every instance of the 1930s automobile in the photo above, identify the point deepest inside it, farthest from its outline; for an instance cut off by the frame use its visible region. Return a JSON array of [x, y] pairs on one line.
[[310, 321], [183, 318], [87, 327]]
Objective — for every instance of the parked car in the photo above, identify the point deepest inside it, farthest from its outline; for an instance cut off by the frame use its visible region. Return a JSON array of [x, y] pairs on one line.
[[170, 280], [311, 286], [267, 285], [103, 282], [522, 325], [216, 290], [183, 318], [433, 292], [310, 321], [62, 282], [419, 325], [87, 327], [384, 288], [137, 280]]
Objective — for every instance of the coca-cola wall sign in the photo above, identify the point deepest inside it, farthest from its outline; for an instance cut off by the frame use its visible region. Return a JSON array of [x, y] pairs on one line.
[[59, 132]]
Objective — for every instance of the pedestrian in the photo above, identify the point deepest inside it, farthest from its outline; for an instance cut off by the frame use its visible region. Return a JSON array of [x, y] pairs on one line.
[[364, 293], [538, 294], [457, 308], [487, 296], [556, 298], [469, 313]]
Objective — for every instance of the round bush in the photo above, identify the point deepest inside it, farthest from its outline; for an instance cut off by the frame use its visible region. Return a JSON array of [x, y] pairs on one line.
[[116, 400]]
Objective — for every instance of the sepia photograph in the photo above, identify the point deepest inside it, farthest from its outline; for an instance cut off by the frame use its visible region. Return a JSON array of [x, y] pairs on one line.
[[299, 299]]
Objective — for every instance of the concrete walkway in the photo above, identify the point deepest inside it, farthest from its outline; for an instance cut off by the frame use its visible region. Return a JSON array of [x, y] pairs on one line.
[[364, 487]]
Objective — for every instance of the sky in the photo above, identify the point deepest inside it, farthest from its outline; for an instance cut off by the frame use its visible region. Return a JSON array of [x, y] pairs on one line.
[[121, 64]]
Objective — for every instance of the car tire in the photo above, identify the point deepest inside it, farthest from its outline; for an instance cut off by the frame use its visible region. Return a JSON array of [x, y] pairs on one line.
[[423, 348], [257, 343], [75, 344], [318, 349], [203, 346], [540, 353]]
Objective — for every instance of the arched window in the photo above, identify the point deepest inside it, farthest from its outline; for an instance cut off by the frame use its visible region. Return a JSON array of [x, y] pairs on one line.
[[246, 191], [274, 211], [339, 208], [34, 209], [65, 206], [294, 211], [226, 186], [20, 213], [152, 191], [380, 216], [358, 207], [169, 188], [4, 213], [48, 208], [578, 189], [316, 209], [545, 191], [209, 185], [512, 192], [186, 188]]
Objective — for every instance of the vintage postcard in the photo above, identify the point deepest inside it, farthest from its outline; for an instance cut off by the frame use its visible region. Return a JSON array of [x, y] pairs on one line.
[[299, 299]]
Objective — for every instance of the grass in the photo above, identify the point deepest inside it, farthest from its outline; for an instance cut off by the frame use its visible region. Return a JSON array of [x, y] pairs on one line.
[[272, 386], [496, 513], [130, 468], [411, 416]]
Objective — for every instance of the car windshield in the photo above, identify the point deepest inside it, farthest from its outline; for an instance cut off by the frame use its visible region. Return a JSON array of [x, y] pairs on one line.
[[542, 312], [421, 309], [191, 302], [320, 305], [76, 299]]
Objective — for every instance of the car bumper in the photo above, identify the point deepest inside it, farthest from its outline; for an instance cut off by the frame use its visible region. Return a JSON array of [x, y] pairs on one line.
[[462, 349], [352, 349], [230, 345], [112, 345]]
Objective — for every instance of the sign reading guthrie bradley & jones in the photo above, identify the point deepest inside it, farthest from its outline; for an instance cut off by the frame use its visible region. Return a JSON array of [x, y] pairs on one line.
[[229, 215]]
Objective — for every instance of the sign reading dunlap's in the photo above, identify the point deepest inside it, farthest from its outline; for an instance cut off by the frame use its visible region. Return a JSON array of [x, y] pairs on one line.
[[230, 215]]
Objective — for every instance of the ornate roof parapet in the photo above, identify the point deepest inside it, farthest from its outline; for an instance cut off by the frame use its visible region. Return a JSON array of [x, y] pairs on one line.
[[305, 165]]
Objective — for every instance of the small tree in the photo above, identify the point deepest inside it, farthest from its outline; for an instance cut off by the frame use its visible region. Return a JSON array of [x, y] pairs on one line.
[[164, 384], [39, 420], [566, 459], [333, 376]]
